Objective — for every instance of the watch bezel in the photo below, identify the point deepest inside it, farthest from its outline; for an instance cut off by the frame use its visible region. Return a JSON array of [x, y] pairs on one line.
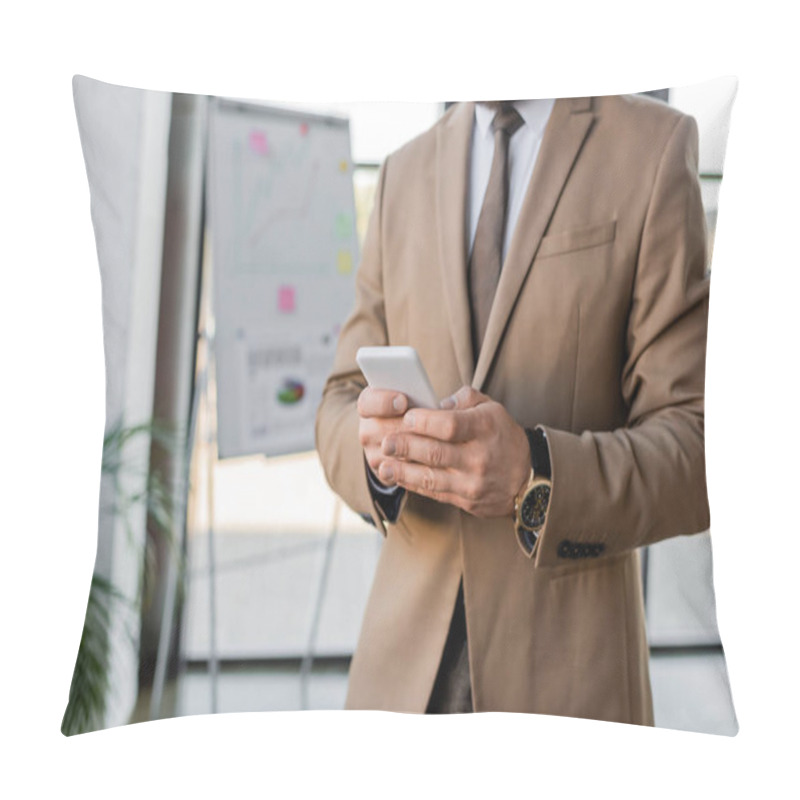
[[535, 483], [533, 496]]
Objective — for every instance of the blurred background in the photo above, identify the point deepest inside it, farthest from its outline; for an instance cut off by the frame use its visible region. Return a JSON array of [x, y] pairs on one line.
[[228, 575]]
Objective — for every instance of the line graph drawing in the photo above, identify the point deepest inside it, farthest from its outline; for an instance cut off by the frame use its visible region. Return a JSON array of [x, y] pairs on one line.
[[297, 210], [291, 188]]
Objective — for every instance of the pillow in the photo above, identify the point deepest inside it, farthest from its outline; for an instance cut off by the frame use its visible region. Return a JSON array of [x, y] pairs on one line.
[[234, 240]]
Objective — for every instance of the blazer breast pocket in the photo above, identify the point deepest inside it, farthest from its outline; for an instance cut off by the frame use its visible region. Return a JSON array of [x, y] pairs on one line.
[[576, 239]]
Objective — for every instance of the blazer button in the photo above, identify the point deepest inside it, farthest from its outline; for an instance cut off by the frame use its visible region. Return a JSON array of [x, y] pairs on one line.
[[568, 549]]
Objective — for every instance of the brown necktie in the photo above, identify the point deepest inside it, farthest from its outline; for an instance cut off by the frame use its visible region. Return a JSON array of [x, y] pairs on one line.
[[452, 693], [487, 249]]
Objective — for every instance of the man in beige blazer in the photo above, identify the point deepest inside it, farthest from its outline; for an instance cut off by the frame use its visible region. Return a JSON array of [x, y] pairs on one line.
[[596, 340]]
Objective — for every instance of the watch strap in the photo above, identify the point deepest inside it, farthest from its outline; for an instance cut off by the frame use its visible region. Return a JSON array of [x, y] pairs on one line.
[[540, 452]]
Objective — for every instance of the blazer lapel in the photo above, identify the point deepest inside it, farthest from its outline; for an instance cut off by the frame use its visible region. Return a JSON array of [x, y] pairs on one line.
[[453, 143], [566, 130]]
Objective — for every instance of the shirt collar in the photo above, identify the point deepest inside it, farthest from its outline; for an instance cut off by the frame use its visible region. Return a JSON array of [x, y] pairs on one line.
[[534, 113]]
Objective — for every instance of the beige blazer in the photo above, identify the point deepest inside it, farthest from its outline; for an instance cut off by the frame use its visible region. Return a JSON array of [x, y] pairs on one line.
[[597, 334]]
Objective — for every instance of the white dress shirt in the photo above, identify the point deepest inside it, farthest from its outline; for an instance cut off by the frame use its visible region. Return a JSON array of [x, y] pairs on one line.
[[522, 152]]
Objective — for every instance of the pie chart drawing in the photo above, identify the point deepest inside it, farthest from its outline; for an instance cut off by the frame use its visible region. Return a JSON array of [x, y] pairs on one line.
[[291, 392]]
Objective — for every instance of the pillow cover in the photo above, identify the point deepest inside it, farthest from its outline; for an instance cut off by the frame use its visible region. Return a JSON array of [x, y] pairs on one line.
[[227, 581]]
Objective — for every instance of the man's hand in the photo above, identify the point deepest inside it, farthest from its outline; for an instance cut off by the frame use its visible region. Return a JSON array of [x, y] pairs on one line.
[[381, 413], [471, 453]]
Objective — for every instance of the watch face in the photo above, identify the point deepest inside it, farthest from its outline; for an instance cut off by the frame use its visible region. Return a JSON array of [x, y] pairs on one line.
[[534, 506]]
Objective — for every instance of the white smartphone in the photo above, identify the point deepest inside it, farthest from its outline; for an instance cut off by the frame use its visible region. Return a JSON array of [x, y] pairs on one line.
[[398, 369]]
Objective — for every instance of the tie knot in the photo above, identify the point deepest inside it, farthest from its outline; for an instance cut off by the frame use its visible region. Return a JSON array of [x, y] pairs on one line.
[[507, 119]]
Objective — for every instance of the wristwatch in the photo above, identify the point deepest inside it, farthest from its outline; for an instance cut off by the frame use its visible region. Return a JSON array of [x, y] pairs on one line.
[[530, 504]]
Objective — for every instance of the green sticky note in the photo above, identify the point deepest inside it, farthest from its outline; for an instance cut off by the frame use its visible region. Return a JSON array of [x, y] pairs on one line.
[[344, 225]]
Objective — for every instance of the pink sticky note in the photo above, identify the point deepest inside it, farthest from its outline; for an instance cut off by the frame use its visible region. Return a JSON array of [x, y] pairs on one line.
[[258, 142], [303, 128], [286, 299]]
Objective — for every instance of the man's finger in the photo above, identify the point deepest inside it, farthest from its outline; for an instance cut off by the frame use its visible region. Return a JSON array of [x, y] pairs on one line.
[[465, 397], [416, 477], [381, 403], [427, 480], [447, 426], [423, 450], [373, 430], [386, 475]]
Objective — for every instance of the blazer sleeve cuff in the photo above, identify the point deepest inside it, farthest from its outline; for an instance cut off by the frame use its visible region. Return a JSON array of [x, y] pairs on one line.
[[389, 499]]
